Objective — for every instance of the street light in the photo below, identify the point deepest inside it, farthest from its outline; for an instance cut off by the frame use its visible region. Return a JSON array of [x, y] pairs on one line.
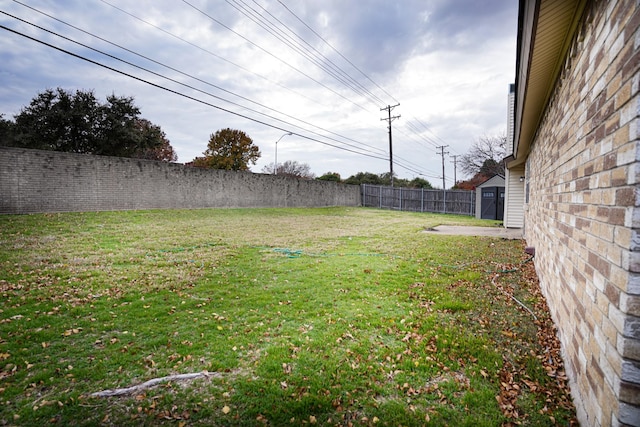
[[275, 166]]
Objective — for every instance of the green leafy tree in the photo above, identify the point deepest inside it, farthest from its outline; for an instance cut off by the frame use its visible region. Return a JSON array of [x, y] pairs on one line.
[[491, 167], [385, 179], [77, 122], [7, 131], [365, 178], [330, 176], [118, 133], [420, 183], [228, 149], [59, 120], [158, 146]]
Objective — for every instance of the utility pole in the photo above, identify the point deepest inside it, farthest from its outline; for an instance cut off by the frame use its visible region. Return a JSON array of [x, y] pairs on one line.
[[443, 153], [390, 119], [444, 185], [455, 168]]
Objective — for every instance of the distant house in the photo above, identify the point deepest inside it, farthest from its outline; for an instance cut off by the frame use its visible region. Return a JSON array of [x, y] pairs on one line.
[[572, 182], [490, 198]]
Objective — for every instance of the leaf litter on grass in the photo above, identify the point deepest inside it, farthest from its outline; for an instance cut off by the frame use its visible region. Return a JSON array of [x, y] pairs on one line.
[[414, 331]]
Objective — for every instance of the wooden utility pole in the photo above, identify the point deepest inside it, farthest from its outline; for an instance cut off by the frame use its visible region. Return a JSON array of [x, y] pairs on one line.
[[444, 185], [390, 119], [455, 168], [443, 153]]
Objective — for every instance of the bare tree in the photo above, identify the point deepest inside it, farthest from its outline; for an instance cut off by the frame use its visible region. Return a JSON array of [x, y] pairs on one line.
[[291, 168], [485, 156]]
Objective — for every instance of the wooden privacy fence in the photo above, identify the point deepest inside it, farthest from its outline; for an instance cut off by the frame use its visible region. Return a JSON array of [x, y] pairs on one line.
[[461, 202]]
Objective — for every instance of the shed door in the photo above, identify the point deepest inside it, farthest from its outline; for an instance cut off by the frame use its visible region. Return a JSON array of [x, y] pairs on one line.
[[492, 204], [500, 204]]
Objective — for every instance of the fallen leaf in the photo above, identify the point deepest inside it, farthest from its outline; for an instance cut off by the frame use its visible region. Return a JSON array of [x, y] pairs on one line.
[[226, 410]]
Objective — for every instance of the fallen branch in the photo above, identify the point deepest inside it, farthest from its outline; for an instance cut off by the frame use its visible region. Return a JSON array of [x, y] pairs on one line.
[[154, 382], [493, 281]]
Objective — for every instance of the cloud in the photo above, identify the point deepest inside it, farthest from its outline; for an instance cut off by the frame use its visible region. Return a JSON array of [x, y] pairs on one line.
[[448, 64]]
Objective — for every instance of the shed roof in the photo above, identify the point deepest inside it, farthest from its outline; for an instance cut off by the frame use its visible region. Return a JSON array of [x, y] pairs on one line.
[[494, 181]]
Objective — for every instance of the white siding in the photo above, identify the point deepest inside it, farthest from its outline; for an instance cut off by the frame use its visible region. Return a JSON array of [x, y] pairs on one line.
[[510, 118], [514, 198]]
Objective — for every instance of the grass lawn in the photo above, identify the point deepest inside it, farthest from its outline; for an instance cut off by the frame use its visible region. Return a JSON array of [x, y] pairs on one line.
[[335, 316]]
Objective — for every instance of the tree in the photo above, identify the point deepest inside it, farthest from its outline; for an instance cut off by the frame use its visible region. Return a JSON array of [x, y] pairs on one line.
[[228, 149], [158, 146], [7, 131], [291, 168], [77, 122], [420, 183], [472, 183], [364, 178], [118, 133], [486, 156], [385, 179], [330, 176], [61, 121]]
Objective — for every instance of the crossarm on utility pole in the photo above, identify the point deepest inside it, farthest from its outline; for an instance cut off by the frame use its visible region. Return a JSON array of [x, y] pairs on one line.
[[389, 120]]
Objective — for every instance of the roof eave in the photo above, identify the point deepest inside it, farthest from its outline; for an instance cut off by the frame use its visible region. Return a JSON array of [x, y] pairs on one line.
[[546, 29]]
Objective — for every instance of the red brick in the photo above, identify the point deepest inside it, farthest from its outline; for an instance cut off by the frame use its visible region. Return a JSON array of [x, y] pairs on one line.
[[626, 196], [632, 24], [599, 264], [630, 393], [613, 294], [630, 68]]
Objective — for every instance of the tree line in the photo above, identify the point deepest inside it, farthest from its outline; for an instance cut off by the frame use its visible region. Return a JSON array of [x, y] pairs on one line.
[[78, 122]]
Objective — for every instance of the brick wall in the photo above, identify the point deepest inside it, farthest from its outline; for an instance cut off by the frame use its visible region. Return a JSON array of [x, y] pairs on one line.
[[47, 181], [583, 217]]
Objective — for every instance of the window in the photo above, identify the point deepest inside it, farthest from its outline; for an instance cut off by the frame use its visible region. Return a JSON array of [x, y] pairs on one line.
[[488, 195]]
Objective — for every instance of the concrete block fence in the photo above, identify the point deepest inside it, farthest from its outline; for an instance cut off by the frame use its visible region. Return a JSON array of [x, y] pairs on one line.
[[34, 181]]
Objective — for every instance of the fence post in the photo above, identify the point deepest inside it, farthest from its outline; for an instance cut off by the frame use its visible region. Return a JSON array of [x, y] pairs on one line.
[[400, 198], [380, 198], [422, 200]]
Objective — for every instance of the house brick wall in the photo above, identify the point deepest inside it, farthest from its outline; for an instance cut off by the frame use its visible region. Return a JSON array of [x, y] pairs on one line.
[[583, 218], [47, 181]]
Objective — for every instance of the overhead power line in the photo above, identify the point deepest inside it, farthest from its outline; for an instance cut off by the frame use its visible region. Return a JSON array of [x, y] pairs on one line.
[[254, 44], [295, 42], [199, 80], [443, 153], [284, 126], [455, 168], [207, 51], [389, 120], [336, 51], [428, 129], [75, 55]]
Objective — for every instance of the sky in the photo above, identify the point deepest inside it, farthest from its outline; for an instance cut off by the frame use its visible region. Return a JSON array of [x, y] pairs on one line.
[[323, 70]]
